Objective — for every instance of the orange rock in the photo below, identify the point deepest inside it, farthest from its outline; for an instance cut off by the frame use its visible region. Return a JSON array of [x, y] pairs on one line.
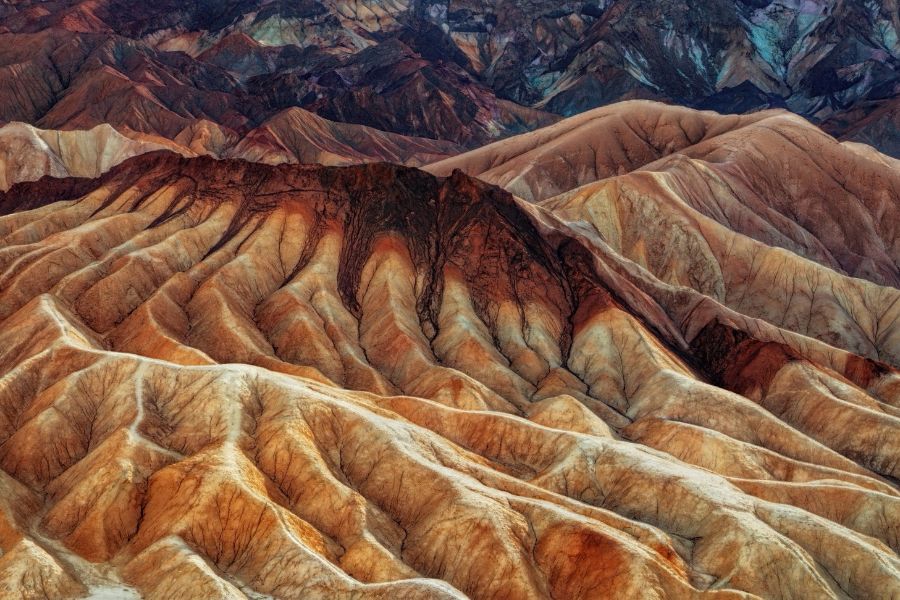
[[227, 379]]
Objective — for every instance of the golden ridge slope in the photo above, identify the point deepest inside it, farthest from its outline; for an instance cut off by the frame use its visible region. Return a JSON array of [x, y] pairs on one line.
[[593, 145], [223, 379], [28, 153], [299, 136], [771, 176]]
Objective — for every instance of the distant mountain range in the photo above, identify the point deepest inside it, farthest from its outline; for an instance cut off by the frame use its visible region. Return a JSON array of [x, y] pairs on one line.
[[465, 72]]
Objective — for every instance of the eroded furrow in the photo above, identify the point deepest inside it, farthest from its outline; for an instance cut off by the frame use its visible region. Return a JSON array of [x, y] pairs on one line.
[[317, 383]]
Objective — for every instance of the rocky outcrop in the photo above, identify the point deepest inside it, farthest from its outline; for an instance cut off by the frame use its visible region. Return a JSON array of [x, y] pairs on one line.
[[64, 79], [875, 123]]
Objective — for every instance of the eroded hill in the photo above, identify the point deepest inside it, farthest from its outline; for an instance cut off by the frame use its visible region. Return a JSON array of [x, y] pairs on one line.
[[225, 379]]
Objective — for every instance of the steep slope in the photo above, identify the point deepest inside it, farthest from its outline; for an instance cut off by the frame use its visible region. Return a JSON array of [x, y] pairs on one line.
[[467, 72], [875, 123], [296, 135], [392, 87], [62, 79], [59, 79], [315, 382], [591, 146], [293, 136], [770, 176], [28, 153], [815, 56]]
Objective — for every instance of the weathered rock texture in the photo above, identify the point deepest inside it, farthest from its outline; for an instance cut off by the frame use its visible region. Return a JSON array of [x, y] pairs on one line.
[[292, 136], [28, 153], [224, 379], [465, 71], [298, 136], [770, 176]]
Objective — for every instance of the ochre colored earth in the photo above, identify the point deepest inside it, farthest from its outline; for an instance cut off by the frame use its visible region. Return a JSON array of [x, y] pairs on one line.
[[668, 370]]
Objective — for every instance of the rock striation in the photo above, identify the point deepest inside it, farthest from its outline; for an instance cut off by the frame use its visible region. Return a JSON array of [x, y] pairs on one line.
[[770, 176], [228, 379], [28, 153], [292, 136], [466, 72]]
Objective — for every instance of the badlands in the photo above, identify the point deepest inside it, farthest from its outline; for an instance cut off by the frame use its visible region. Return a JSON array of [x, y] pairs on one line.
[[661, 363]]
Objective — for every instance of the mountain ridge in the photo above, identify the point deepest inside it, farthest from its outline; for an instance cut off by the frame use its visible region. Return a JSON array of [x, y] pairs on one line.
[[458, 312], [293, 135], [331, 299], [480, 71]]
